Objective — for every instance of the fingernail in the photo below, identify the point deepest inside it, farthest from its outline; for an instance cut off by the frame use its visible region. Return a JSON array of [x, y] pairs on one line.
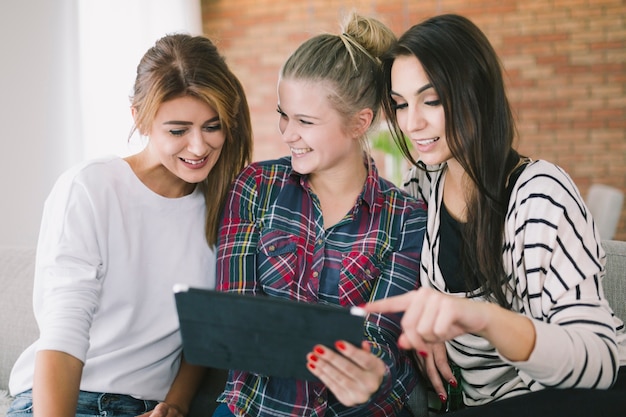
[[310, 365], [340, 345], [443, 398], [422, 353], [318, 350], [454, 383], [313, 358]]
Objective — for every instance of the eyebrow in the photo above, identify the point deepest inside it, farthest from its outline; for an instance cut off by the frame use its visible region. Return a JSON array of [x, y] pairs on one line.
[[185, 123], [417, 93], [299, 115]]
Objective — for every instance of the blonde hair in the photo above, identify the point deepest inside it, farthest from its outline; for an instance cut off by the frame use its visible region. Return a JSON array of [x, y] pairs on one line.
[[348, 63]]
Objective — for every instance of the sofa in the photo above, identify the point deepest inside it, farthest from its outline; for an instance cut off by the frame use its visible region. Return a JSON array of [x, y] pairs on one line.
[[18, 327]]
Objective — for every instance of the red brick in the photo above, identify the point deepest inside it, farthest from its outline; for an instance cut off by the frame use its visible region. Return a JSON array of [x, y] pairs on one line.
[[565, 63]]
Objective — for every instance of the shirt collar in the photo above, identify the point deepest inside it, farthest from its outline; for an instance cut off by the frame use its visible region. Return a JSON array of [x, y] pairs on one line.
[[371, 193]]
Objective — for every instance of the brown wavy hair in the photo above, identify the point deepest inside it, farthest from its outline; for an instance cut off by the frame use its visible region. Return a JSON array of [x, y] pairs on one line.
[[184, 65]]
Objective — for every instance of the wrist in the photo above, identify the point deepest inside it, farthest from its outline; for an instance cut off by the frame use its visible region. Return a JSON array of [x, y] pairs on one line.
[[179, 409]]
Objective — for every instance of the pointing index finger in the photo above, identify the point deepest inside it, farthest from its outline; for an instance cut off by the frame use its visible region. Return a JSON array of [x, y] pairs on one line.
[[394, 304]]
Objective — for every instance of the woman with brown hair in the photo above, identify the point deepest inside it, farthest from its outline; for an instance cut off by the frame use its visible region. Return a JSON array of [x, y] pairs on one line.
[[118, 233]]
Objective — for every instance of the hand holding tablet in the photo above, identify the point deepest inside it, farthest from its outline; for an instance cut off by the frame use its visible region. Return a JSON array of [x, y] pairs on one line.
[[264, 335]]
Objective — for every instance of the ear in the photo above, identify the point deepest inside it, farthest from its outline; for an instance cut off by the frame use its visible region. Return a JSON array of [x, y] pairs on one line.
[[363, 121]]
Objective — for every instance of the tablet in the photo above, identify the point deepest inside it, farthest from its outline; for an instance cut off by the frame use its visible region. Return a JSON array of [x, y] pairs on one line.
[[260, 334]]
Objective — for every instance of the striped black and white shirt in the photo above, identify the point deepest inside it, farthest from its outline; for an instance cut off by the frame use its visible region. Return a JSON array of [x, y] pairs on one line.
[[554, 260]]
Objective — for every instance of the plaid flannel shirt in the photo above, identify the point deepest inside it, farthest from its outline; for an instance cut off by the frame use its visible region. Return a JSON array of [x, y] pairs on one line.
[[272, 242]]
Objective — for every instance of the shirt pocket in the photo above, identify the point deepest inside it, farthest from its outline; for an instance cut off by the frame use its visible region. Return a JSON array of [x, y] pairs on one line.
[[277, 262], [359, 274]]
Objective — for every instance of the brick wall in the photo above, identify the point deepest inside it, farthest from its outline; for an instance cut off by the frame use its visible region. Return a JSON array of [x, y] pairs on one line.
[[565, 60]]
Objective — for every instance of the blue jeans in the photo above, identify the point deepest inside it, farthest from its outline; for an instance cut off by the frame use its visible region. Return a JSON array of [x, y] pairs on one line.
[[90, 404]]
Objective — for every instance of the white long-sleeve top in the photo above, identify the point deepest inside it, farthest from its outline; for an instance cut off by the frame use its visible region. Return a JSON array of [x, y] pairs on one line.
[[554, 260], [109, 253]]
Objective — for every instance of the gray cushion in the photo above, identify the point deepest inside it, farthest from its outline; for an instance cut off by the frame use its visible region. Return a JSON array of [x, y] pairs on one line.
[[18, 328], [615, 281]]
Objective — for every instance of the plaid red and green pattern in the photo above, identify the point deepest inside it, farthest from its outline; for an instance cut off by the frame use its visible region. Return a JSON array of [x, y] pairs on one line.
[[272, 242]]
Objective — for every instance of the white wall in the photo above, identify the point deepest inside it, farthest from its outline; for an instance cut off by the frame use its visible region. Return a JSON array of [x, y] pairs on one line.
[[114, 35], [38, 107], [66, 72]]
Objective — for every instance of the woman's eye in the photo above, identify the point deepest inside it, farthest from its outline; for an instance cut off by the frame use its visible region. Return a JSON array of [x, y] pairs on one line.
[[212, 128], [177, 132], [399, 106], [305, 122], [433, 103]]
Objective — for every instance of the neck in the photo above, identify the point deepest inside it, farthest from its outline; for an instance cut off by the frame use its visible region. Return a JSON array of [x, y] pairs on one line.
[[156, 177], [338, 184], [338, 192]]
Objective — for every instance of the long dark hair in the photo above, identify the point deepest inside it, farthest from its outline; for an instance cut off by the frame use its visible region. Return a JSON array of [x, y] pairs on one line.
[[466, 73]]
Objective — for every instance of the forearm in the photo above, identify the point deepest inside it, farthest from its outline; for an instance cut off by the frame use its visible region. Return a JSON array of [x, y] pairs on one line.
[[185, 386], [512, 334], [56, 384]]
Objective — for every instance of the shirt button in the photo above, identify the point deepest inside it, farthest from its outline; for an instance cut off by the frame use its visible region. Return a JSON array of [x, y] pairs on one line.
[[319, 241], [272, 248], [320, 400], [315, 274], [368, 272]]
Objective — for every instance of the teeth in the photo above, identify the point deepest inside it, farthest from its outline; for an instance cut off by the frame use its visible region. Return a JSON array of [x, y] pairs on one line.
[[300, 151], [193, 162], [428, 142]]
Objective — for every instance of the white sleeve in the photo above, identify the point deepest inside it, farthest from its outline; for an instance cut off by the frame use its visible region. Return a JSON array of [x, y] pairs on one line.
[[67, 284], [560, 266]]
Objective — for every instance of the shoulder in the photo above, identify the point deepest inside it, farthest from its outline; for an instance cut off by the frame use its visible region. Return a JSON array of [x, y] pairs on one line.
[[543, 179], [546, 204], [276, 166], [263, 175], [397, 196], [93, 168], [541, 170], [93, 173]]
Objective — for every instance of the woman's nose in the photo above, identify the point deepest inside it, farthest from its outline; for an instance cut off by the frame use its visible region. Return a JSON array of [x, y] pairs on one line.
[[415, 120], [196, 143], [288, 132]]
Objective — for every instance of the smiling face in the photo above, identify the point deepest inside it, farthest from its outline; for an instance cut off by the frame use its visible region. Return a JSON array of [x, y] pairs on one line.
[[418, 109], [315, 132], [186, 138]]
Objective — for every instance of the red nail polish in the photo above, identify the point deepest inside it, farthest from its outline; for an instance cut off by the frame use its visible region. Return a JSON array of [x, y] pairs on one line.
[[310, 365], [318, 350], [442, 398], [453, 383], [422, 353], [340, 346], [313, 358]]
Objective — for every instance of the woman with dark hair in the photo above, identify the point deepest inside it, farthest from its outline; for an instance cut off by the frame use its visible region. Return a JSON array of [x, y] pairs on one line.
[[118, 233], [512, 264]]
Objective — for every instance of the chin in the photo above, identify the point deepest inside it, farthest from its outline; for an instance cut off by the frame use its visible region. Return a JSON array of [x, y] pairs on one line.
[[430, 159], [300, 168]]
